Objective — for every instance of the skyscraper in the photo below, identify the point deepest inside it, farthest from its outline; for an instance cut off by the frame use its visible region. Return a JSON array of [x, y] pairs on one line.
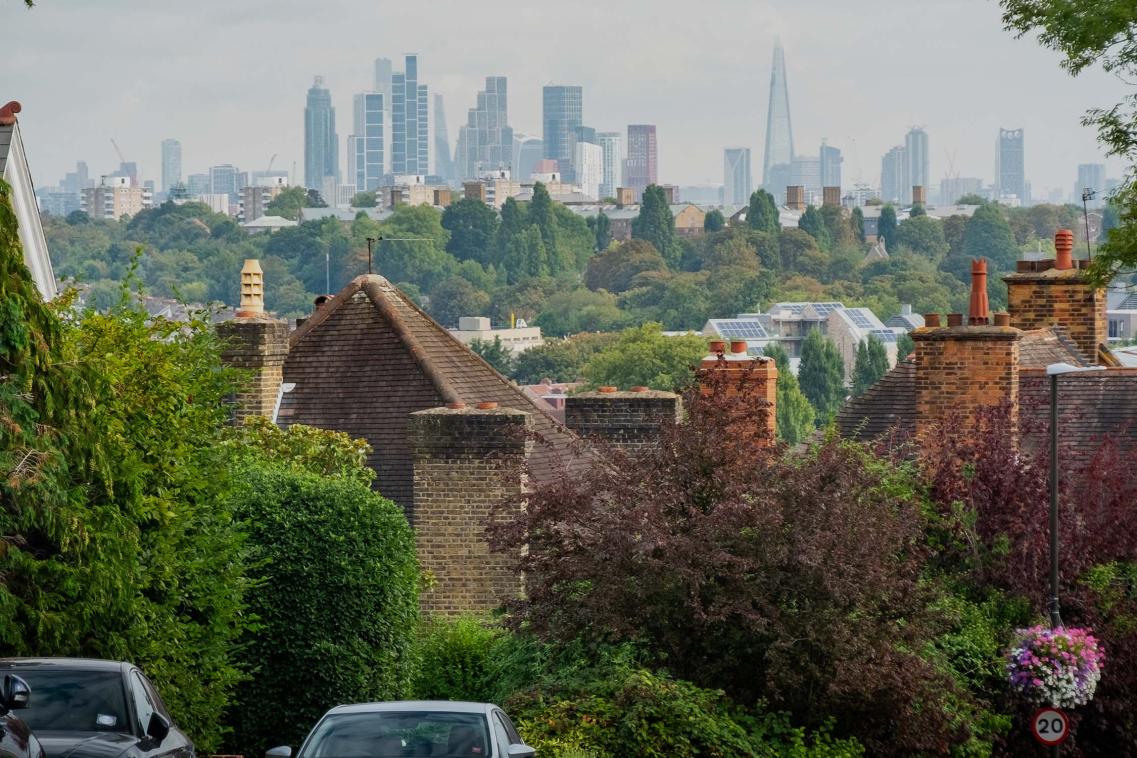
[[831, 161], [640, 167], [410, 127], [223, 180], [321, 145], [916, 164], [805, 172], [485, 143], [1091, 176], [1010, 177], [779, 131], [365, 151], [893, 175], [736, 182], [561, 114], [527, 151], [589, 163], [382, 83], [612, 147], [171, 163], [443, 158]]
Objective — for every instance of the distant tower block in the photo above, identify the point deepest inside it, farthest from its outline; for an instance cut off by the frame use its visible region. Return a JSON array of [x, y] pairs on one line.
[[795, 198], [831, 196], [918, 197]]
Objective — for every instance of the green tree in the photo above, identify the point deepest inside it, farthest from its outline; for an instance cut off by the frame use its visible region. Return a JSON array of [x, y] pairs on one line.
[[643, 356], [513, 222], [678, 301], [857, 220], [364, 200], [496, 354], [821, 374], [288, 203], [580, 310], [453, 298], [886, 226], [763, 215], [602, 228], [413, 247], [656, 225], [917, 210], [841, 234], [987, 235], [794, 247], [794, 413], [473, 226], [526, 256], [714, 221], [541, 214], [813, 224], [560, 360], [905, 346], [971, 199], [871, 364], [924, 236], [616, 269]]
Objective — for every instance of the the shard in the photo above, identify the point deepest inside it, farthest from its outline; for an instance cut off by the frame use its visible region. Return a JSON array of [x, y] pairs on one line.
[[779, 132]]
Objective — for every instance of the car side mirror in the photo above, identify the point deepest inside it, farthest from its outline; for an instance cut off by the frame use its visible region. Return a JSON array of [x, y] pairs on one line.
[[158, 727], [282, 751], [16, 693], [521, 751]]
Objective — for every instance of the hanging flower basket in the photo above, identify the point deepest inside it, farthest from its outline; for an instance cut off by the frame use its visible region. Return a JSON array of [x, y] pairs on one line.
[[1056, 667]]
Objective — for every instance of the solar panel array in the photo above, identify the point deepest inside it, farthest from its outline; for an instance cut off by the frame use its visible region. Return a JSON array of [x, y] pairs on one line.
[[859, 318], [824, 309], [884, 335], [739, 329]]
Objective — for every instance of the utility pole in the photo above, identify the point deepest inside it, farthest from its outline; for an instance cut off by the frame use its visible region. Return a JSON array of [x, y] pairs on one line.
[[1088, 194]]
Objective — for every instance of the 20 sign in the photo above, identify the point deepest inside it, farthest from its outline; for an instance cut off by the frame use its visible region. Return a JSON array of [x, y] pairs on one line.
[[1050, 726]]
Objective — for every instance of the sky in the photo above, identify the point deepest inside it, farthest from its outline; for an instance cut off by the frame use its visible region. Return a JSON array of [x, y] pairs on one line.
[[229, 78]]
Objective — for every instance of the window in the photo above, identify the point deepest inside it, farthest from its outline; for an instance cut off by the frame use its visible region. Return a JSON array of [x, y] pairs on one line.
[[143, 708], [81, 701], [1114, 329], [514, 737]]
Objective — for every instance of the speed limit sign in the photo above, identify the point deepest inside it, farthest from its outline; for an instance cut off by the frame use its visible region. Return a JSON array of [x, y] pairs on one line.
[[1050, 726]]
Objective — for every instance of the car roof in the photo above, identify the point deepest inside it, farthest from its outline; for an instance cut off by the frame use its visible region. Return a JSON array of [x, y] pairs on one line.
[[444, 706], [64, 664]]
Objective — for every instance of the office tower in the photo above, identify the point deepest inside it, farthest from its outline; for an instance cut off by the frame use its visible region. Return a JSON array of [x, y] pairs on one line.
[[321, 145], [916, 172], [410, 122], [527, 151], [612, 146], [955, 187], [736, 181], [831, 161], [443, 158], [779, 131], [197, 185], [365, 145], [893, 174], [640, 167], [485, 143], [171, 163], [1010, 177], [1091, 176], [586, 134], [589, 162], [561, 113], [382, 83], [78, 180], [224, 180], [805, 172]]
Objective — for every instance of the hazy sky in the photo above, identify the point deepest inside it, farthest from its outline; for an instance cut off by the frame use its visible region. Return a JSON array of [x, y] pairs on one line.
[[228, 77]]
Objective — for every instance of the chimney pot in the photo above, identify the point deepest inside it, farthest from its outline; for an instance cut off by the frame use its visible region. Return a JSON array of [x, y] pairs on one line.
[[718, 347], [1002, 319], [906, 309], [978, 312], [485, 405], [955, 319], [252, 288], [1064, 249], [640, 388], [932, 320], [455, 406], [608, 389], [737, 346]]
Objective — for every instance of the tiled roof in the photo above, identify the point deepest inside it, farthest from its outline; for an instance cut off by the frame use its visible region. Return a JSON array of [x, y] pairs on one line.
[[370, 357], [1041, 347], [1091, 405]]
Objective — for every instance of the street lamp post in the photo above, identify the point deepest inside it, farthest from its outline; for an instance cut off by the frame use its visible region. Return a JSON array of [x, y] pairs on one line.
[[1088, 194]]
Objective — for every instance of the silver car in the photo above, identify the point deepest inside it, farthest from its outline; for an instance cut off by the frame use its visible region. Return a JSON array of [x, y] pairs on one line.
[[437, 728]]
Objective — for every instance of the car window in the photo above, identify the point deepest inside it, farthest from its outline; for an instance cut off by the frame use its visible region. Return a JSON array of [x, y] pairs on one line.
[[143, 708], [75, 700], [514, 737], [399, 734], [155, 698], [500, 735]]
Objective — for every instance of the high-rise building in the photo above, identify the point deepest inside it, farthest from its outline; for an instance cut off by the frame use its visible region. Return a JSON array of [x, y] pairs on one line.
[[916, 163], [831, 161], [443, 158], [779, 130], [382, 83], [78, 180], [562, 112], [410, 121], [321, 145], [115, 197], [197, 185], [736, 181], [1091, 176], [365, 145], [612, 146], [223, 180], [1010, 175], [589, 162], [485, 143], [893, 175], [953, 188], [171, 163], [805, 172], [527, 152], [641, 167]]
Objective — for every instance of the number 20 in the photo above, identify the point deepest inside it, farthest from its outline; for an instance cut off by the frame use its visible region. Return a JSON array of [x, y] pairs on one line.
[[1050, 726]]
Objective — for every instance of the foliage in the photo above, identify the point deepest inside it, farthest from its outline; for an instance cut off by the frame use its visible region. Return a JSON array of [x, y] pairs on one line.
[[364, 200], [821, 374], [288, 203], [840, 229], [559, 360], [616, 269], [455, 297], [762, 215], [413, 247], [644, 356], [456, 659], [580, 310], [905, 346], [714, 221], [337, 593], [656, 225], [812, 223], [794, 413], [886, 226], [857, 220], [495, 353], [988, 235], [473, 227], [971, 199], [871, 364], [317, 451], [602, 228], [922, 235], [1056, 667]]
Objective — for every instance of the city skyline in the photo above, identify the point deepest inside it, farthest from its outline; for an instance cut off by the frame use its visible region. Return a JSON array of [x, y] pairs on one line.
[[942, 89]]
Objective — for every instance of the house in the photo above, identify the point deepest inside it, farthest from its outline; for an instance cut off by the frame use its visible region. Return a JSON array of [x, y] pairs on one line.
[[849, 327], [906, 320], [517, 339], [1121, 314], [689, 219], [15, 171], [267, 225]]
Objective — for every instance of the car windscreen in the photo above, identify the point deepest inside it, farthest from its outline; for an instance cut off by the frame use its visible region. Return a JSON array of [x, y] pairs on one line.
[[75, 701], [397, 734]]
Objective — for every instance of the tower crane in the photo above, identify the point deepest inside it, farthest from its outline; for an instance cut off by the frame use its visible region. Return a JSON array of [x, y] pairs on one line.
[[121, 159]]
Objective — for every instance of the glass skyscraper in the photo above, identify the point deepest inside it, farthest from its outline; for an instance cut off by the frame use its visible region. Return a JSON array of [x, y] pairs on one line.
[[831, 161], [562, 115], [1009, 171], [366, 144], [612, 144], [443, 159], [410, 122], [916, 167], [486, 141], [779, 153], [736, 181], [321, 149], [641, 166], [171, 164]]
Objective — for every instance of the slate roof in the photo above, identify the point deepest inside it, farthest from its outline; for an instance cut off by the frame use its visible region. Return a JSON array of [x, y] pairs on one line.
[[1090, 407], [370, 357]]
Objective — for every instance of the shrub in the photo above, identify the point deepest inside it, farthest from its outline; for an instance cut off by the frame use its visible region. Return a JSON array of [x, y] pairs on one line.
[[455, 659]]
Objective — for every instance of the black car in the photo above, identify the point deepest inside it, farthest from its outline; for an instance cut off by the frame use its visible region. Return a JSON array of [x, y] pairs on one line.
[[84, 708], [16, 738]]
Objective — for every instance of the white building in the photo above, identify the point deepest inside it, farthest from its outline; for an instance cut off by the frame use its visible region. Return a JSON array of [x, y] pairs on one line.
[[612, 143], [517, 339], [589, 161]]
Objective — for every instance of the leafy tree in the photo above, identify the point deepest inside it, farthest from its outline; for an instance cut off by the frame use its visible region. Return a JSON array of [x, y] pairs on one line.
[[821, 374], [813, 224], [526, 256], [364, 200], [871, 364], [917, 210], [656, 225], [886, 226], [542, 215], [644, 356], [841, 236], [560, 360], [413, 248], [794, 413], [923, 235], [763, 215], [858, 223], [77, 218], [987, 235], [905, 346], [473, 226], [678, 301], [496, 354], [457, 658], [513, 222], [714, 221], [971, 199], [580, 310], [794, 246], [602, 228], [453, 298], [616, 269], [288, 203]]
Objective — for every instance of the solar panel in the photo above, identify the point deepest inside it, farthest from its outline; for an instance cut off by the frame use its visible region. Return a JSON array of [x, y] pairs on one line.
[[740, 329], [859, 318], [824, 309], [884, 335]]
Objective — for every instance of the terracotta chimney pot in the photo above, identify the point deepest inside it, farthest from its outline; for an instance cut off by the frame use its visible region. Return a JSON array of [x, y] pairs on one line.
[[737, 346], [1002, 319], [978, 312], [955, 319], [1064, 248], [932, 320], [608, 389], [718, 347], [487, 405], [640, 388], [455, 406]]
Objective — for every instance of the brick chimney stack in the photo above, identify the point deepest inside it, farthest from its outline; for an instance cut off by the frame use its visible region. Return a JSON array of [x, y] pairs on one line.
[[918, 195], [752, 380], [831, 196], [629, 420], [256, 343], [795, 198], [977, 313]]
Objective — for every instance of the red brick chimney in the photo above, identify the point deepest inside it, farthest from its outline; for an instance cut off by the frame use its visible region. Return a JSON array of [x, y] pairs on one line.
[[754, 381]]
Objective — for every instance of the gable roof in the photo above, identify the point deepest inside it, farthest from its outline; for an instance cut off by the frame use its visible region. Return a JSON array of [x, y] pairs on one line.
[[15, 171], [370, 357]]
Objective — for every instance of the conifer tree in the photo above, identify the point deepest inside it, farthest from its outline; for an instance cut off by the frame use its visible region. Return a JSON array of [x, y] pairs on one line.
[[794, 413], [871, 364], [821, 375]]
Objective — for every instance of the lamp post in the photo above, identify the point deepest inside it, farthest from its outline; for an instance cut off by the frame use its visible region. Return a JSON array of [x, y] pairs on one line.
[[1088, 194]]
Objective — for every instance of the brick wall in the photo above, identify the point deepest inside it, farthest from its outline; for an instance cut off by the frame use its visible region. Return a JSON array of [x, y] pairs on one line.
[[1039, 296], [961, 369], [466, 461], [753, 382], [629, 420], [258, 345]]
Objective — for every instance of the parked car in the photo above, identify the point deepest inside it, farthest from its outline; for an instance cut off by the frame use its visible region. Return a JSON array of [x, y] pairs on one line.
[[85, 708], [16, 738], [439, 728]]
